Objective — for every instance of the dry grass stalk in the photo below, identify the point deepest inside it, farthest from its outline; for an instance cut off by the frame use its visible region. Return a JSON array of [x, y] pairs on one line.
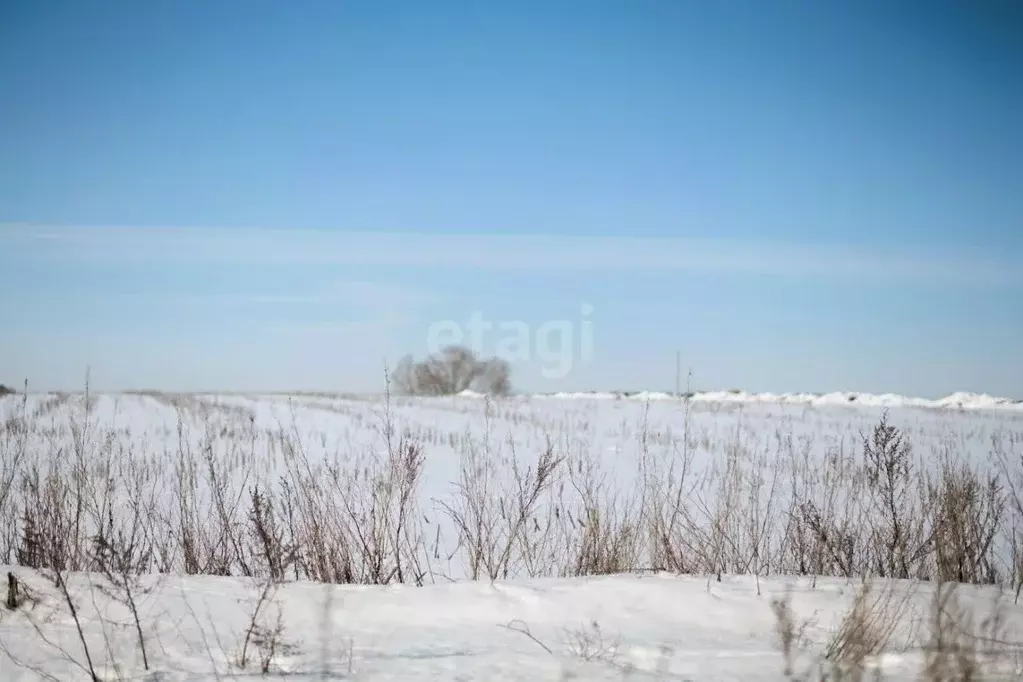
[[867, 629]]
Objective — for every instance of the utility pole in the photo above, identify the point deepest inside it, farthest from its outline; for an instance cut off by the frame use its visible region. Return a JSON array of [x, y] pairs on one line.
[[678, 373]]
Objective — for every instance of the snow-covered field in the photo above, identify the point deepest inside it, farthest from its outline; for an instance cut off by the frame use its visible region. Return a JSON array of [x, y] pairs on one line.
[[607, 536]]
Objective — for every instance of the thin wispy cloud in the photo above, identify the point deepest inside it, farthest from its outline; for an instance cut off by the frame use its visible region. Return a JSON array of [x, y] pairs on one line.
[[356, 294], [373, 328], [222, 245]]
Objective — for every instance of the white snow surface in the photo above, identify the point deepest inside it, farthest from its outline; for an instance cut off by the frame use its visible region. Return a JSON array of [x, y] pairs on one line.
[[959, 400], [656, 626], [651, 625]]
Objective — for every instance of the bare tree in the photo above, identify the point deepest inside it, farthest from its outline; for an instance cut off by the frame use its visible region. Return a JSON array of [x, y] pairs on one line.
[[450, 371], [458, 366], [494, 377]]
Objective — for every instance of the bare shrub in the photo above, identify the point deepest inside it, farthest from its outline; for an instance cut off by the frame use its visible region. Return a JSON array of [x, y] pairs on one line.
[[713, 525], [821, 535], [1010, 464], [491, 514], [959, 646], [450, 371], [268, 535], [324, 550], [899, 538], [14, 434], [590, 643], [120, 558], [494, 377], [210, 520], [967, 514], [603, 527], [490, 528], [866, 630], [791, 633], [264, 632], [380, 507], [667, 490], [356, 517], [358, 522]]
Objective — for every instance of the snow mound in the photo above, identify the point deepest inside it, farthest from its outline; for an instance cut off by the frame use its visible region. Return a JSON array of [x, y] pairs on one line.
[[961, 400], [469, 393], [977, 401]]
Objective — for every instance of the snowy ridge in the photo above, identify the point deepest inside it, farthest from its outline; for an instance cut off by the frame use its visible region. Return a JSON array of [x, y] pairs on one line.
[[959, 400], [604, 629]]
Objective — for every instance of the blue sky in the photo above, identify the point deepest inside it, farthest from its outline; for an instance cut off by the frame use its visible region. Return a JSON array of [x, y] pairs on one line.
[[270, 195]]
